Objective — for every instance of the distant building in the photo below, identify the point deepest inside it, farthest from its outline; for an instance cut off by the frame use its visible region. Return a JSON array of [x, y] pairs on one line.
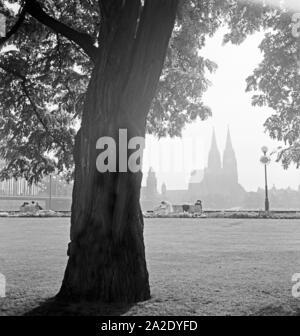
[[193, 188], [19, 187], [149, 194], [217, 185], [151, 185], [163, 190], [220, 188]]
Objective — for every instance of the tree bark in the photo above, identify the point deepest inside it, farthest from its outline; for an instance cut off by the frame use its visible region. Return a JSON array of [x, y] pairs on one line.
[[106, 253]]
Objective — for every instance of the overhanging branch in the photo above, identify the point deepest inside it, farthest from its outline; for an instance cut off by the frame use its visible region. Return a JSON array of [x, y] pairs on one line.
[[81, 39], [33, 8], [12, 71], [15, 28], [23, 80]]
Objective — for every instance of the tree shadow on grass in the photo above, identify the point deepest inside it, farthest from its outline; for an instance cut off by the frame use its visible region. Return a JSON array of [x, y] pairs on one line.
[[54, 307], [272, 310]]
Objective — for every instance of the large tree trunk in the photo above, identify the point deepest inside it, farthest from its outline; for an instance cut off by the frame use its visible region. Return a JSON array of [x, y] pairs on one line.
[[106, 253]]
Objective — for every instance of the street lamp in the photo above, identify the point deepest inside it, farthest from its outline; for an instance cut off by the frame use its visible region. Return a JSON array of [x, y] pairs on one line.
[[50, 191], [265, 160]]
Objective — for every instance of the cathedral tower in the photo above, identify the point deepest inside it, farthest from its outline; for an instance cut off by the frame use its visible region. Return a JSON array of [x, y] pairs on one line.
[[212, 180], [220, 188], [230, 170], [214, 158], [151, 184]]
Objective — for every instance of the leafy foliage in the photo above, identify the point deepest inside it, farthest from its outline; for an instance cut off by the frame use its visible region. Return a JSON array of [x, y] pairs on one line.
[[43, 82], [277, 82], [183, 81], [45, 70]]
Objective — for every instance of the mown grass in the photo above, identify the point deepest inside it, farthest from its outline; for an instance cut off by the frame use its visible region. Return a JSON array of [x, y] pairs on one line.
[[196, 266]]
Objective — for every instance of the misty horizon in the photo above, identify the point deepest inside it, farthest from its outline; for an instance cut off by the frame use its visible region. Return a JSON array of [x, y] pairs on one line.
[[232, 109]]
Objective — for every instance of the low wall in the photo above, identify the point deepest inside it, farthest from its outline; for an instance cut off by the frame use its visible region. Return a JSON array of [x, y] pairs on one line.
[[191, 208], [57, 203]]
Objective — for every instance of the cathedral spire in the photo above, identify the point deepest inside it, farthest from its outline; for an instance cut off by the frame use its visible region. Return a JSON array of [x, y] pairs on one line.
[[214, 145], [229, 160], [228, 140], [214, 157]]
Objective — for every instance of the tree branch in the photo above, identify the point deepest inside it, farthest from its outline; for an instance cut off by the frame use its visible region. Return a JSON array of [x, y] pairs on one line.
[[82, 39], [12, 71], [15, 28], [23, 80]]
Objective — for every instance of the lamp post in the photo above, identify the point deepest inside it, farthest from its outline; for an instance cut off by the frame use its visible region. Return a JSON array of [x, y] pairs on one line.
[[50, 191], [265, 160]]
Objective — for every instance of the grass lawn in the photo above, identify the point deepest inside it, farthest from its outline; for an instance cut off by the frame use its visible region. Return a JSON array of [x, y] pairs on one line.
[[196, 266]]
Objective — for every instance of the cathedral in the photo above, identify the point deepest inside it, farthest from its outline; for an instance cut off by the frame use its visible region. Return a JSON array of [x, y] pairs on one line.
[[217, 186], [220, 188]]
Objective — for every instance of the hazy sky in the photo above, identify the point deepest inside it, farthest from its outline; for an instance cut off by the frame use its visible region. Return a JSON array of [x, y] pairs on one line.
[[174, 159]]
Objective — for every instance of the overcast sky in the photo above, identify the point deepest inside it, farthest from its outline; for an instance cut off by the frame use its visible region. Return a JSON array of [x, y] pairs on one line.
[[231, 106]]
